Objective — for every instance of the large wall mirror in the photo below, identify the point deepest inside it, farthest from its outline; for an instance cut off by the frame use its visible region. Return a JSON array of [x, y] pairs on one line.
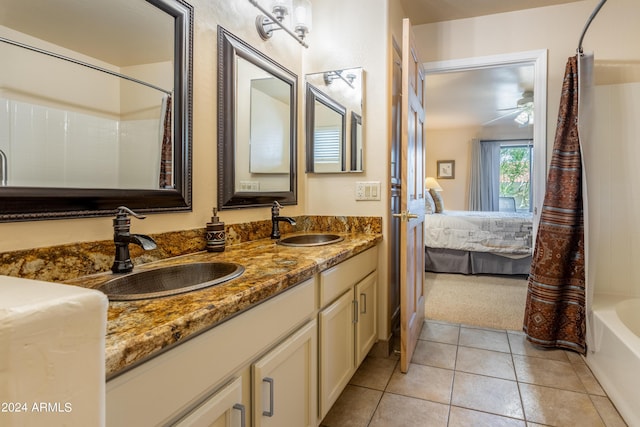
[[95, 107], [257, 127], [334, 114]]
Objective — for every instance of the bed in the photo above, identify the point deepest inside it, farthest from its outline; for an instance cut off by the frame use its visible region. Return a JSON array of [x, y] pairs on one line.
[[471, 242]]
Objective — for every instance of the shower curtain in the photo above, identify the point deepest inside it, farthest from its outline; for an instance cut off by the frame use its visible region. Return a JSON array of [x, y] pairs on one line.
[[555, 312]]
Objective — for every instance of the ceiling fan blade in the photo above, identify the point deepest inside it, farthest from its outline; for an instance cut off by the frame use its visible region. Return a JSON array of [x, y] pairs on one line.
[[502, 117]]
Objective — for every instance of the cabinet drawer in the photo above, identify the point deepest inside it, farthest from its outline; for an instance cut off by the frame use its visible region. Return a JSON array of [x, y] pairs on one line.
[[336, 280]]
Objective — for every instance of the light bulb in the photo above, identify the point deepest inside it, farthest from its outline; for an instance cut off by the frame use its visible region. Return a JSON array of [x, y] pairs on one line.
[[302, 17]]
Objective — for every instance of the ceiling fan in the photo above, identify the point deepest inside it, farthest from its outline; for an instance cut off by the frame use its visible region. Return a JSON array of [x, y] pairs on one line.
[[523, 110]]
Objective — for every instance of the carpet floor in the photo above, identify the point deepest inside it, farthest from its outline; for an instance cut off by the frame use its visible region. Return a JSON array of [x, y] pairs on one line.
[[486, 301]]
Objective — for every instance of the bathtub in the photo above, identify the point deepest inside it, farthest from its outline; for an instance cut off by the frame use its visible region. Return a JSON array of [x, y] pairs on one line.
[[614, 356]]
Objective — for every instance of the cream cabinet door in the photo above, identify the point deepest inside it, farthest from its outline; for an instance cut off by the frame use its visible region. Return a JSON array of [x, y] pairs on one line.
[[337, 359], [223, 409], [366, 324], [285, 382]]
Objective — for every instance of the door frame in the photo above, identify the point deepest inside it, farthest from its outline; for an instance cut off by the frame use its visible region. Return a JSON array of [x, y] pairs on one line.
[[537, 58]]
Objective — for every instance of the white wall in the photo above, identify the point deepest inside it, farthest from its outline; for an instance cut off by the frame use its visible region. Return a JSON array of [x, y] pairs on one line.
[[357, 36], [451, 144]]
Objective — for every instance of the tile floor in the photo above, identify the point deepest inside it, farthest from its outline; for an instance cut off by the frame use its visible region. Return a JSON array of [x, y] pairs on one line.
[[466, 376]]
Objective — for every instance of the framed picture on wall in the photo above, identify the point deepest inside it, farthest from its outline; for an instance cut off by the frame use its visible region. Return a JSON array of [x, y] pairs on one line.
[[446, 169]]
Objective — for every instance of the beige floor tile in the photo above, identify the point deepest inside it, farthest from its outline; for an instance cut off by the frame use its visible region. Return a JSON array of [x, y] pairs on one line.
[[485, 362], [520, 345], [423, 382], [440, 332], [374, 372], [402, 411], [550, 373], [608, 411], [487, 394], [589, 381], [435, 354], [560, 408], [484, 338], [354, 408], [462, 417], [574, 357]]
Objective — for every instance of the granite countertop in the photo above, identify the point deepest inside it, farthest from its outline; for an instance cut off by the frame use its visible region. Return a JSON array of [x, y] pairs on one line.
[[138, 330]]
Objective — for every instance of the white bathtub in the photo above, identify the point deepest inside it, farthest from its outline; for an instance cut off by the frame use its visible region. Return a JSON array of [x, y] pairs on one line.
[[614, 357]]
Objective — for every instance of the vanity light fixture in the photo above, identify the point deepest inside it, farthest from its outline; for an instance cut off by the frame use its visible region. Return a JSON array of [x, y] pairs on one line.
[[330, 76], [299, 12]]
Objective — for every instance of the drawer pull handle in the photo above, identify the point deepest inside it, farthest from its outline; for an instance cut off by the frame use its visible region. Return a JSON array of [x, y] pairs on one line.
[[240, 407], [363, 297], [269, 413], [355, 311]]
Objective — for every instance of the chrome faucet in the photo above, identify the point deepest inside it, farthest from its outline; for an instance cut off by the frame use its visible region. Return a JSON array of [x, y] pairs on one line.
[[276, 218], [122, 238]]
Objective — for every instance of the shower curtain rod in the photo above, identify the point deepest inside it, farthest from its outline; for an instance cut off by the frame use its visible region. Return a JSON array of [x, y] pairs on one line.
[[586, 27], [84, 64]]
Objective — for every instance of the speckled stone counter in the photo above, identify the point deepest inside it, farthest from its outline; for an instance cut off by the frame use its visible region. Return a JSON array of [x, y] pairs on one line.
[[138, 330], [70, 261]]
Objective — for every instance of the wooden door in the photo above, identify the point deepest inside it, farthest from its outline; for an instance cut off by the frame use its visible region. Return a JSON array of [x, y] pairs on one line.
[[412, 199]]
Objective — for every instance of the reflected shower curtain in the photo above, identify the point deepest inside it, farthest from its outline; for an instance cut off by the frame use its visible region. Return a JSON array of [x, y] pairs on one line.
[[166, 144], [555, 313]]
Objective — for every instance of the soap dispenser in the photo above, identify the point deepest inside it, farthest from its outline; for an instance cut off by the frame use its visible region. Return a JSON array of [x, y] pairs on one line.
[[215, 234]]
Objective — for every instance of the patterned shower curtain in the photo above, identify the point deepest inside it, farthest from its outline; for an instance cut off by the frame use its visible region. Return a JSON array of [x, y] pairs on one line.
[[555, 313], [166, 152]]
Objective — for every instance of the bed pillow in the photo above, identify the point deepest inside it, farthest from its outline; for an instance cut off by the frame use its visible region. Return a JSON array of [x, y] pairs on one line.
[[430, 204], [437, 198]]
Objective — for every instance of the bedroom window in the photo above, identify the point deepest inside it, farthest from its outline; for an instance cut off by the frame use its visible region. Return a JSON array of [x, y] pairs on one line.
[[515, 177]]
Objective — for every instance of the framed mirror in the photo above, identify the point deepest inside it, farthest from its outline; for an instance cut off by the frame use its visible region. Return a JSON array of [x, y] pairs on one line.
[[257, 127], [93, 118], [342, 92]]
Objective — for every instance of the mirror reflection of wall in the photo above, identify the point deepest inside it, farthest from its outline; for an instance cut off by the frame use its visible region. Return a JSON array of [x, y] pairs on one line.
[[345, 88], [262, 130], [68, 125], [357, 155]]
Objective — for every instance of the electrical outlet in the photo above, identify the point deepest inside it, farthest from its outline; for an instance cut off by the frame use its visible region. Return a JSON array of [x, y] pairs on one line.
[[249, 186], [368, 190]]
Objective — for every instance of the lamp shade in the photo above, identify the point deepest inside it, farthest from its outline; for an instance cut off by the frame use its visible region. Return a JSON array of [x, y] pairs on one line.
[[302, 15], [431, 184], [284, 5]]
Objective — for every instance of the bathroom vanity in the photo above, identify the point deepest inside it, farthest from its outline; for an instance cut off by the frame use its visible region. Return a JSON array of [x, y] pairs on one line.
[[273, 347]]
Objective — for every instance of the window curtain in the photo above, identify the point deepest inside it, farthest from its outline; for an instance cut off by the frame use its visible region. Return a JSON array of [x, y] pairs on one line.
[[484, 184], [555, 312]]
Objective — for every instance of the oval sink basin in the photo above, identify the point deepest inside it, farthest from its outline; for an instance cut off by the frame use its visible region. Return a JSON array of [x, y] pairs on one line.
[[311, 240], [171, 280]]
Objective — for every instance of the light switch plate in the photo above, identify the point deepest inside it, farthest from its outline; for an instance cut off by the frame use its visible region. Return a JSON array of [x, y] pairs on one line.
[[368, 190]]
